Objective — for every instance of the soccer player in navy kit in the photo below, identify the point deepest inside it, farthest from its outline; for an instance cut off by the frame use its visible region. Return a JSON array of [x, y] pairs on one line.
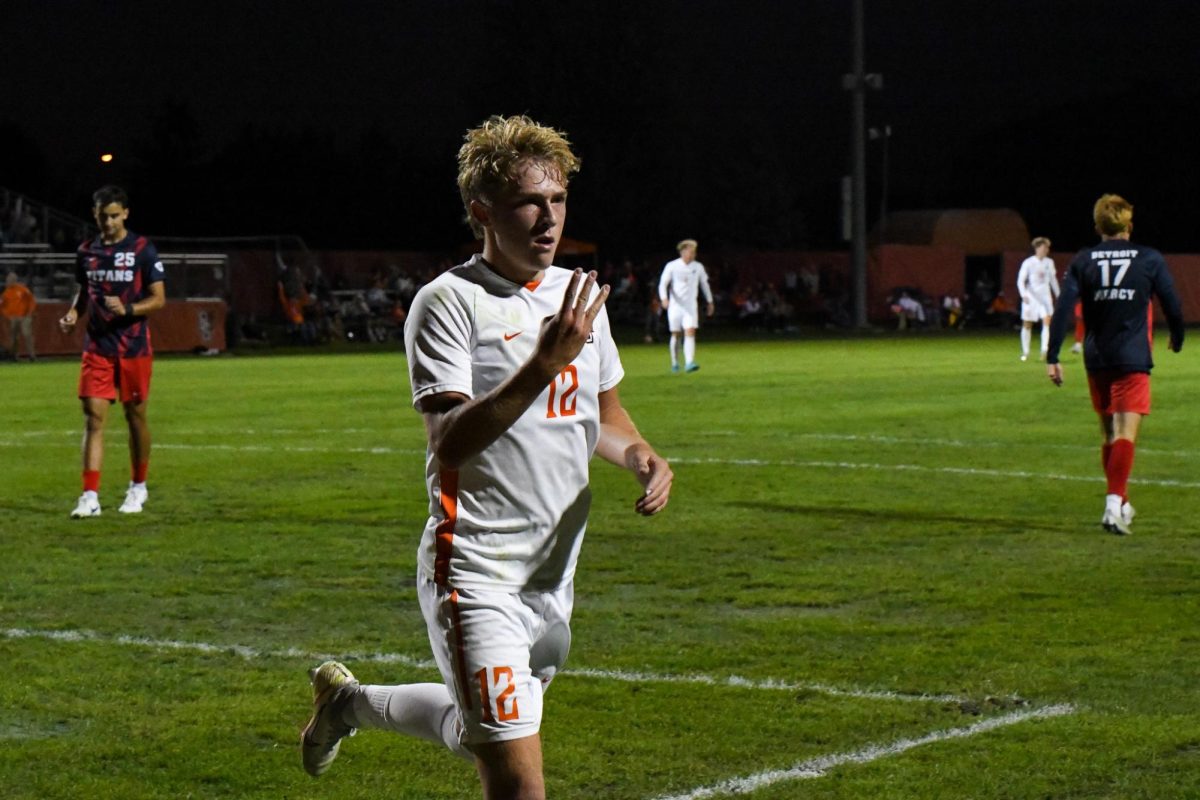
[[1115, 280], [120, 283]]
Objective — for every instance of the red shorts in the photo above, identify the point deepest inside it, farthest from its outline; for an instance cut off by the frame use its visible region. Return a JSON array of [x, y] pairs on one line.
[[1119, 392], [102, 376]]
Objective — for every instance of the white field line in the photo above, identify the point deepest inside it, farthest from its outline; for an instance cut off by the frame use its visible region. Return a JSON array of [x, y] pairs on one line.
[[738, 462], [254, 654], [817, 767]]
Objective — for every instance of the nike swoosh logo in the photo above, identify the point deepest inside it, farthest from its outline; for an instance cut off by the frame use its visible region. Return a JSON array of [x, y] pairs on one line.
[[508, 337]]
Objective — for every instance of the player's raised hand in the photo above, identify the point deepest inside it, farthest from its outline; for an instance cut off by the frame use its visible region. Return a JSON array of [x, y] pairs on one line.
[[564, 335]]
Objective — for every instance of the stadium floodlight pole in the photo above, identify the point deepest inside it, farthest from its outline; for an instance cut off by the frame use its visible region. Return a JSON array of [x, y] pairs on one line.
[[857, 82]]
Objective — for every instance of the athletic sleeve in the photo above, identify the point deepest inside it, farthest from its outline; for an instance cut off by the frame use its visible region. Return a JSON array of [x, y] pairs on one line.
[[611, 370], [1054, 287], [80, 272], [1023, 280], [437, 339], [704, 284], [1064, 311], [151, 265], [664, 282], [1163, 286]]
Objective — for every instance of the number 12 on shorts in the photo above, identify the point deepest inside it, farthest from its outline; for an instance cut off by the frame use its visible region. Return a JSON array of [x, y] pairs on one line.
[[501, 677]]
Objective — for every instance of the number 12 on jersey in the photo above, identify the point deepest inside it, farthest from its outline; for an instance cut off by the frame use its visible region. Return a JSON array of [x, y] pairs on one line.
[[569, 380]]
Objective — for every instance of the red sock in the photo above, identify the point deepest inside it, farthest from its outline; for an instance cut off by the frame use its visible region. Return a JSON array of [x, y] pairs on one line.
[[1105, 452], [1120, 464], [139, 472], [1079, 331], [91, 480]]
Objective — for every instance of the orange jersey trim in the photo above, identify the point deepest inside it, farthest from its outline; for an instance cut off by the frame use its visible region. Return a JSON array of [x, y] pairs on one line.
[[444, 533], [533, 285]]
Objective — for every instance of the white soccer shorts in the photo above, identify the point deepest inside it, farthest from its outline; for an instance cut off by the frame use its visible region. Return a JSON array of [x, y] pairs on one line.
[[682, 319], [1036, 310], [498, 653]]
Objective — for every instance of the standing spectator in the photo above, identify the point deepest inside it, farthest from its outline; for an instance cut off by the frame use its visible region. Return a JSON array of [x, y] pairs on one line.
[[16, 305], [120, 283], [681, 282], [1116, 280], [1038, 286], [514, 368]]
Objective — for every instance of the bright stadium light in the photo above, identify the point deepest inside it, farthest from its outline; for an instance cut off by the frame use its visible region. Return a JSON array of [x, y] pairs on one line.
[[106, 158]]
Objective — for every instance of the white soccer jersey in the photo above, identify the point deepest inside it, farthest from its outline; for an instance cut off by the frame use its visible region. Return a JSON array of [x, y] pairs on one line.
[[1037, 282], [511, 518], [681, 283]]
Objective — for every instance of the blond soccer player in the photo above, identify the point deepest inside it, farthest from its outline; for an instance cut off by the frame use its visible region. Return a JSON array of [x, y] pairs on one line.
[[515, 372], [1038, 286], [679, 287]]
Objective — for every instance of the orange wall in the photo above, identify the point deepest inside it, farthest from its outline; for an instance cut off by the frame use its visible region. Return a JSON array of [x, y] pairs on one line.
[[182, 326]]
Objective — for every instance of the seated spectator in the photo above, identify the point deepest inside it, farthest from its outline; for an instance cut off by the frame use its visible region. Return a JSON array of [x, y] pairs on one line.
[[952, 311], [907, 308], [751, 311], [1001, 312]]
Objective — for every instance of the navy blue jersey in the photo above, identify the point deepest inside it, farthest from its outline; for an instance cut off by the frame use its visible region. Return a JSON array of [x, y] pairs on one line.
[[125, 270], [1116, 281]]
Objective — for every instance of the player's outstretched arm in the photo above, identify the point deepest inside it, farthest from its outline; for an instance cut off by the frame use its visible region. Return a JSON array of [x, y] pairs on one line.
[[459, 427], [621, 444]]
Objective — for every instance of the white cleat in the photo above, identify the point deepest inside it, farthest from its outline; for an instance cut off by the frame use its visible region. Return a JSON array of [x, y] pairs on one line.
[[88, 506], [1118, 516], [1077, 348], [1024, 356], [333, 687], [135, 498]]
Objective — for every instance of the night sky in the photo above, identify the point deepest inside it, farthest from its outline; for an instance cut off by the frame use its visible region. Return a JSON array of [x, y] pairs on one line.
[[721, 121]]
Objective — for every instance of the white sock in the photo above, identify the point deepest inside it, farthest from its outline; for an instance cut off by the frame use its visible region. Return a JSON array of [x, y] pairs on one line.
[[90, 495], [689, 349], [1026, 337], [674, 350], [424, 710], [1045, 338]]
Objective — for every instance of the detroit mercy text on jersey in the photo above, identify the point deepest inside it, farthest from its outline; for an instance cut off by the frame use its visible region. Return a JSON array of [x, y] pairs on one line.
[[1116, 281], [124, 270], [511, 518]]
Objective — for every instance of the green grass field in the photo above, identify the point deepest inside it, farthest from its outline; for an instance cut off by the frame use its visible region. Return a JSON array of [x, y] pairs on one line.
[[881, 575]]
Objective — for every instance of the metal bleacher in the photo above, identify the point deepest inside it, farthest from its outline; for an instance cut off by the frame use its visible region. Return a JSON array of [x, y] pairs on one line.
[[49, 271], [51, 276]]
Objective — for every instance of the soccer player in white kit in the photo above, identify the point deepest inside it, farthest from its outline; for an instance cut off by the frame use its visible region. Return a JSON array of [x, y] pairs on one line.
[[515, 372], [1038, 286], [681, 282]]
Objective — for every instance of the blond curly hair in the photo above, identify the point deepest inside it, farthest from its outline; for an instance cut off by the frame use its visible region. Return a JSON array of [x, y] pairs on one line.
[[494, 153]]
